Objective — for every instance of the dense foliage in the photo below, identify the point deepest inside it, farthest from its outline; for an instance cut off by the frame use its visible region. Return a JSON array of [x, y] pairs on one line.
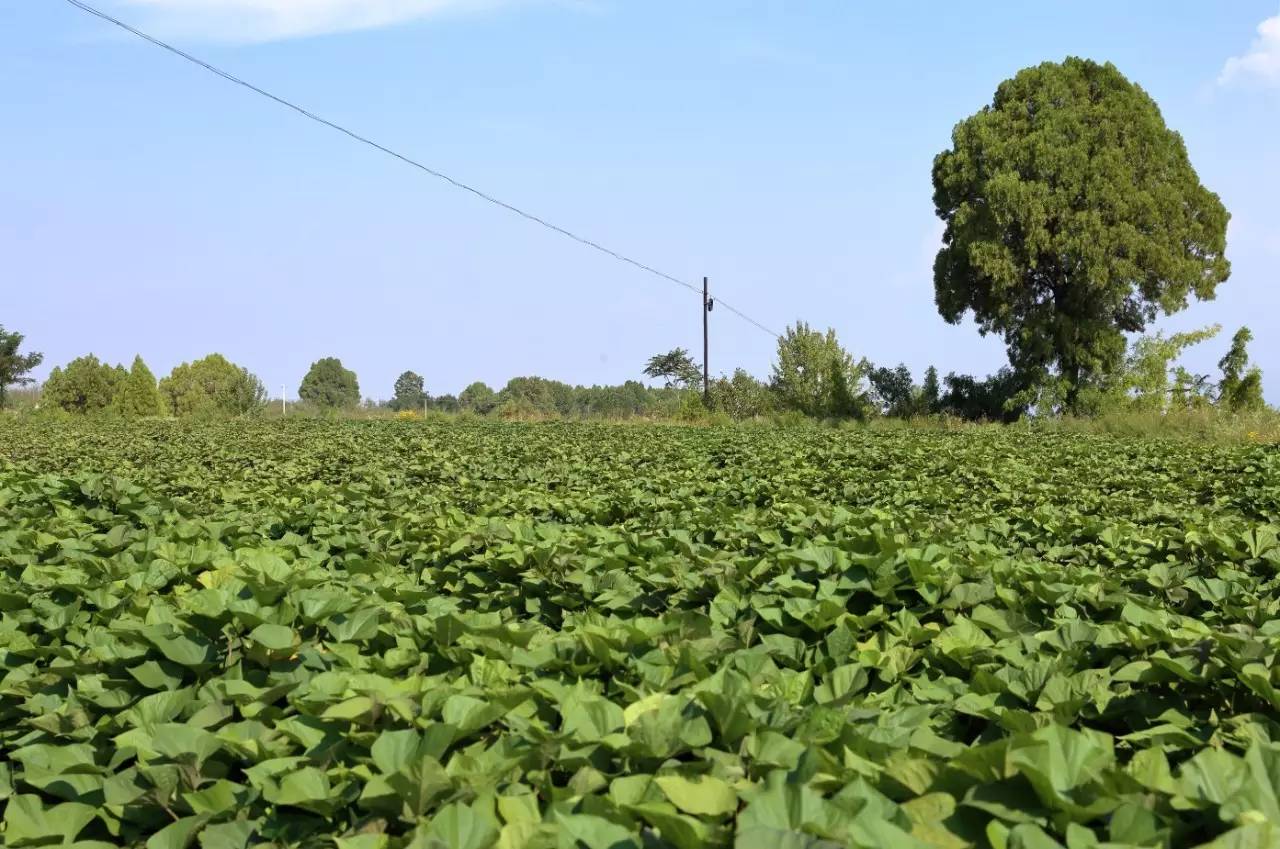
[[411, 393], [676, 368], [137, 394], [1241, 386], [1073, 216], [478, 397], [742, 396], [15, 366], [506, 635], [330, 385], [524, 396], [84, 385], [816, 376], [994, 399], [212, 386]]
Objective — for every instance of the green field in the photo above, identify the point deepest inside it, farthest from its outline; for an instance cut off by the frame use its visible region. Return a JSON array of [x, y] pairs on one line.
[[393, 634]]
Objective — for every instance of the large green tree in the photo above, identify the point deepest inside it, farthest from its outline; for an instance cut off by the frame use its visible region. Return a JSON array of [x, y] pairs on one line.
[[84, 385], [137, 395], [330, 385], [14, 365], [212, 386], [1073, 216], [411, 393], [816, 376]]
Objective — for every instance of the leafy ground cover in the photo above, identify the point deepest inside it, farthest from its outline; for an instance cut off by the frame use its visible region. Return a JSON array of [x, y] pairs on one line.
[[386, 634]]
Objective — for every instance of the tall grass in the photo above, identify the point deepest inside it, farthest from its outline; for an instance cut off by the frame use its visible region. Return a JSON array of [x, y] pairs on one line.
[[1208, 424]]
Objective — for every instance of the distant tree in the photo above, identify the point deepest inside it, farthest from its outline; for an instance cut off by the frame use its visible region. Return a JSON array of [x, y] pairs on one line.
[[1149, 380], [676, 367], [817, 377], [1073, 217], [930, 392], [478, 397], [15, 366], [85, 385], [740, 396], [537, 395], [1240, 389], [329, 385], [847, 400], [137, 394], [625, 401], [1191, 391], [894, 390], [630, 399], [212, 386], [995, 399], [410, 394], [445, 403]]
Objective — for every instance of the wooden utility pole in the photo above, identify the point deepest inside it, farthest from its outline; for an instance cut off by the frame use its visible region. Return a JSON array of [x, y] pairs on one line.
[[706, 348]]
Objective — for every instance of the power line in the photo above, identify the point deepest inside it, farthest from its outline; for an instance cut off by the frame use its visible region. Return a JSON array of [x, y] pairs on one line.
[[740, 314], [409, 161]]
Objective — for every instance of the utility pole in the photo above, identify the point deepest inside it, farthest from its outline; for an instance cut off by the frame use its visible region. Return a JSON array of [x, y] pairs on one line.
[[707, 304], [284, 404]]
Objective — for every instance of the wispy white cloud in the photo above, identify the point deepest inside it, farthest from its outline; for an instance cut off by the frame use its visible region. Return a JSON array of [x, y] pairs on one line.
[[1262, 62], [270, 20]]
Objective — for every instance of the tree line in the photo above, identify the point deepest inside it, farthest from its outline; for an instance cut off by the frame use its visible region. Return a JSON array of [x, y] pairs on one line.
[[212, 386], [1073, 219], [813, 376]]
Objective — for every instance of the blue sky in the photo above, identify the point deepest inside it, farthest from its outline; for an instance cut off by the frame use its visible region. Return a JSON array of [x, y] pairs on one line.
[[781, 148]]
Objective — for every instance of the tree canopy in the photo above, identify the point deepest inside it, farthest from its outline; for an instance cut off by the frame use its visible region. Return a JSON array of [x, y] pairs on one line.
[[1150, 380], [997, 398], [1073, 216], [137, 394], [894, 390], [1240, 389], [930, 391], [537, 394], [676, 368], [212, 386], [816, 376], [741, 396], [15, 366], [330, 385], [410, 392], [84, 385], [478, 397]]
